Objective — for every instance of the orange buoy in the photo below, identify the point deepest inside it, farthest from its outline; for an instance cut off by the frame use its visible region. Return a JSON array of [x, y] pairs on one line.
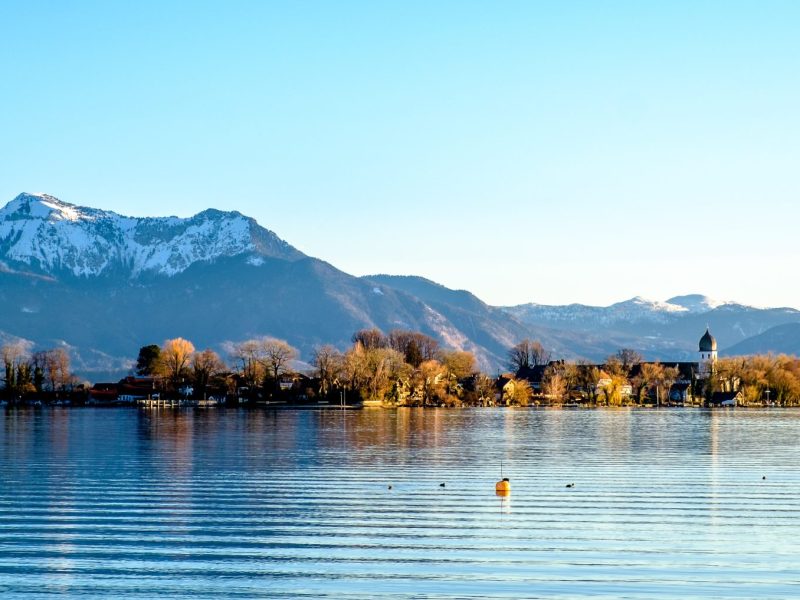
[[503, 488]]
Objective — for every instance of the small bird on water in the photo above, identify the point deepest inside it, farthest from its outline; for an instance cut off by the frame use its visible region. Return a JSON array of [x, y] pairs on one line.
[[390, 487], [764, 477], [441, 485], [570, 485]]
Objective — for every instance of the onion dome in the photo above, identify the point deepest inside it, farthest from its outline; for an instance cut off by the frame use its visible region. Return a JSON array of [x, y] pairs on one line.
[[708, 343]]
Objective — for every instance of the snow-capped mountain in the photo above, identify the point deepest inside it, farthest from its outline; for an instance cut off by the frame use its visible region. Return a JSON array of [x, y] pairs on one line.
[[635, 310], [48, 235], [102, 285], [659, 329], [698, 303]]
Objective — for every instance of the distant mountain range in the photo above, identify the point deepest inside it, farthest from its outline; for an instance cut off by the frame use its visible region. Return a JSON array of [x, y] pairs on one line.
[[103, 285], [669, 330]]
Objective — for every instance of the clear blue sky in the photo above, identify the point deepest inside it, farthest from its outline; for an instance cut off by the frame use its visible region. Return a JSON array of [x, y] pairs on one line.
[[565, 151]]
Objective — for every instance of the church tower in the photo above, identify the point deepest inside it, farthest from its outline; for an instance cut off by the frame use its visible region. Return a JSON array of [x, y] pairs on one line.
[[708, 354]]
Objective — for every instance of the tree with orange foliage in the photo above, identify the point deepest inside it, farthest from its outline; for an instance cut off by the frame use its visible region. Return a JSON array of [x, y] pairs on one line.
[[174, 358]]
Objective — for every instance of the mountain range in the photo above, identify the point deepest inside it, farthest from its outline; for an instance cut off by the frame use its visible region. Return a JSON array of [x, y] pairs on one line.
[[102, 285]]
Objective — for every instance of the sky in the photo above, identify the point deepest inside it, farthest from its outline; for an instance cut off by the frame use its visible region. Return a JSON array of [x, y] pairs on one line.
[[550, 152]]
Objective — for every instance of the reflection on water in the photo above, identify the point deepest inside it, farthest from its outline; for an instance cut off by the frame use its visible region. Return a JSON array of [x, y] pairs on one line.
[[194, 504]]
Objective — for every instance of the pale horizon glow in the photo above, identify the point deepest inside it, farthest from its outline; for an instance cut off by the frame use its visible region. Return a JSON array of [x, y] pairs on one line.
[[542, 152]]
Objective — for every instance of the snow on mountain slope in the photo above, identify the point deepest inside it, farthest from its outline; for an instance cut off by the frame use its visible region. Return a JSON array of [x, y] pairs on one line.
[[636, 309], [45, 233], [697, 303]]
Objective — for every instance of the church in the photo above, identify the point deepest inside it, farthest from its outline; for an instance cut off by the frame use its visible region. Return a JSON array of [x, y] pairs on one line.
[[708, 355], [690, 385], [693, 375]]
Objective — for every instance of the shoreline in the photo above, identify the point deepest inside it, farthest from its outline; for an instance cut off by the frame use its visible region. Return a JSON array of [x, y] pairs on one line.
[[349, 408]]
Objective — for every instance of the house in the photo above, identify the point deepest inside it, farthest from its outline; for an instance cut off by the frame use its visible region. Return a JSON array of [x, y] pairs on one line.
[[136, 388], [602, 380], [128, 389], [725, 398], [504, 388], [301, 387], [612, 386], [103, 393], [535, 375], [680, 392], [402, 391]]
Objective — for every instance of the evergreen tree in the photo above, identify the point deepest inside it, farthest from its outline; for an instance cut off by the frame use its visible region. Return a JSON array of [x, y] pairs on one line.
[[147, 361]]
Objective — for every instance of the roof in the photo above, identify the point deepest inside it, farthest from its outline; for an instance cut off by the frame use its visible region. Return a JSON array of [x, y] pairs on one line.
[[720, 397], [501, 381], [532, 374], [707, 342], [685, 369]]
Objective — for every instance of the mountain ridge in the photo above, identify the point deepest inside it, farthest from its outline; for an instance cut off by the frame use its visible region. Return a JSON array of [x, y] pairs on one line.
[[102, 285], [80, 278], [58, 238]]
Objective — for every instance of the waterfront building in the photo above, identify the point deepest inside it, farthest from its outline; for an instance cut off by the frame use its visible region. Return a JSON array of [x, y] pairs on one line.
[[688, 386]]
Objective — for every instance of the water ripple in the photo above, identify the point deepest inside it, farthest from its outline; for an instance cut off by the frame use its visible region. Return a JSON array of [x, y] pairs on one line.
[[212, 504]]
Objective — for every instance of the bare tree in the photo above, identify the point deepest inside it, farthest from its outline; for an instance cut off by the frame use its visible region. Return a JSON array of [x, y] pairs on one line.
[[628, 358], [276, 355], [416, 347], [649, 378], [669, 377], [428, 347], [175, 356], [458, 363], [247, 355], [613, 366], [329, 363], [527, 354], [355, 367], [554, 384], [370, 338], [383, 365], [56, 368], [569, 371], [205, 365]]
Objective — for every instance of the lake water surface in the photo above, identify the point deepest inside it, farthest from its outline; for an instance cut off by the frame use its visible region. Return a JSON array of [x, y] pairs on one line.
[[241, 504]]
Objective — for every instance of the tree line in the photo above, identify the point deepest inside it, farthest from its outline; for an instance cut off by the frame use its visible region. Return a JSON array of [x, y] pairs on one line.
[[407, 368], [27, 371], [624, 378], [401, 366], [759, 378]]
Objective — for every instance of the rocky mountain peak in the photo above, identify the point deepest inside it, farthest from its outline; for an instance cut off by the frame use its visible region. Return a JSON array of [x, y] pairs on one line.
[[43, 233], [41, 207]]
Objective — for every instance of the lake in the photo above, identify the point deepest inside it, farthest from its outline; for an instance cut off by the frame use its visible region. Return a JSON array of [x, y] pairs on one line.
[[296, 504]]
